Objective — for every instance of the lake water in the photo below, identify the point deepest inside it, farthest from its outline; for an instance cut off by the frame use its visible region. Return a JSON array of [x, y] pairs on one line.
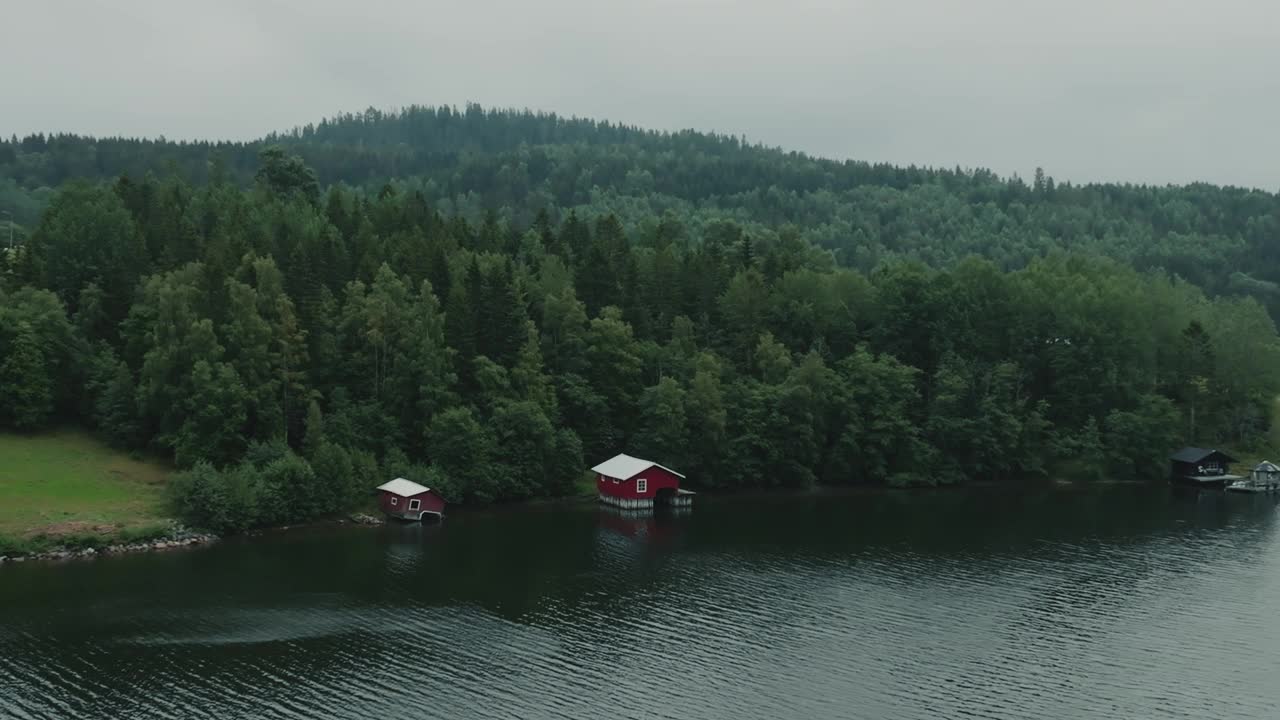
[[1111, 602]]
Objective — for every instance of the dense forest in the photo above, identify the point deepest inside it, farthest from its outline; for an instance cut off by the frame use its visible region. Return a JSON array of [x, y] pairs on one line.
[[491, 301], [514, 164]]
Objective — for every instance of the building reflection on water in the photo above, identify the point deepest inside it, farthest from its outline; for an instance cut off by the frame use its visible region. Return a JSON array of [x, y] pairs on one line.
[[645, 524], [407, 543]]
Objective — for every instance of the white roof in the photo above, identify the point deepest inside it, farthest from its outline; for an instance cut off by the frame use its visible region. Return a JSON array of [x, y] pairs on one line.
[[403, 488], [624, 467]]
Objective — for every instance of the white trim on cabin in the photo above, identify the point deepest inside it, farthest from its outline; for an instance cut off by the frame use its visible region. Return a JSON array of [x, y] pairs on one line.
[[642, 485], [395, 500], [414, 504]]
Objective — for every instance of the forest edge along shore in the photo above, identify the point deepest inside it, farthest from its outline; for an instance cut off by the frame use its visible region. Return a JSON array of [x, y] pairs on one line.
[[293, 321]]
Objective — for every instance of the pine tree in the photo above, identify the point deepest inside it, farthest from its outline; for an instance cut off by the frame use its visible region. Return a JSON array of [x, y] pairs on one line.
[[529, 379], [575, 236], [746, 253], [546, 233], [597, 284], [502, 317], [462, 313], [314, 437]]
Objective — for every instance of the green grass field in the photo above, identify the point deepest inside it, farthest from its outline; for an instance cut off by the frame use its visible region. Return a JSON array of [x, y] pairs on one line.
[[68, 484]]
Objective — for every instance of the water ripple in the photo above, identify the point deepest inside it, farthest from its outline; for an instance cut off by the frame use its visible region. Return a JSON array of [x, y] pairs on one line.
[[1119, 606]]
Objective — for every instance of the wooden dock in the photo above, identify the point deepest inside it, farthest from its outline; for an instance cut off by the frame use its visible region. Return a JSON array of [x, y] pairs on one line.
[[1207, 481], [1254, 485]]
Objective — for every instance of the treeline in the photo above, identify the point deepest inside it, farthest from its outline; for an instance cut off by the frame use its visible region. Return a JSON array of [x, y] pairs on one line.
[[293, 347], [471, 162]]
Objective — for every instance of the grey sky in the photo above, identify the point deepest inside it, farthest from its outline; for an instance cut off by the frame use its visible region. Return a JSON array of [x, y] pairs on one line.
[[1142, 90]]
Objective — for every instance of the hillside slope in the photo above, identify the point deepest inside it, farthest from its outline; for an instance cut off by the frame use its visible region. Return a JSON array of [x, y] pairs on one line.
[[514, 163], [290, 340]]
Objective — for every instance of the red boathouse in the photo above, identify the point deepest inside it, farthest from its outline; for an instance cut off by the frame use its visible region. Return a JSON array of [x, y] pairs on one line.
[[629, 482], [408, 500]]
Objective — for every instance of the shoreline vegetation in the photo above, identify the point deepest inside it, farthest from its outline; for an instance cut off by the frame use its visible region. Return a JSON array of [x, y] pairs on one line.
[[488, 302], [146, 534], [84, 547]]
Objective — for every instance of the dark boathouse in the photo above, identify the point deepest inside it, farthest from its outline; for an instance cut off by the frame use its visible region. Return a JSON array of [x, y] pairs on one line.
[[1201, 466]]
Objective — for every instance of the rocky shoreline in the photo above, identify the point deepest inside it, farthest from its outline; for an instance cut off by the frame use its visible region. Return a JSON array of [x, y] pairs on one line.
[[362, 519], [178, 538]]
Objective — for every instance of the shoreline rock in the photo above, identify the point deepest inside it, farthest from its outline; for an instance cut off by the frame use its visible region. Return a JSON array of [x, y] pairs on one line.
[[362, 519]]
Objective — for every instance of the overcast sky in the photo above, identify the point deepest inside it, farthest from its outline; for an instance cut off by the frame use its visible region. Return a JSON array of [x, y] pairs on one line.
[[1141, 90]]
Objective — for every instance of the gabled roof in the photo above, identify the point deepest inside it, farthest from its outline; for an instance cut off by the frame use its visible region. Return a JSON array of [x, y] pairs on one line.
[[1266, 466], [403, 488], [1195, 454], [625, 467]]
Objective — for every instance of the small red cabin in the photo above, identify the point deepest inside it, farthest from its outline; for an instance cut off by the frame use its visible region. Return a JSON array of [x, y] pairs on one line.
[[408, 500], [630, 482]]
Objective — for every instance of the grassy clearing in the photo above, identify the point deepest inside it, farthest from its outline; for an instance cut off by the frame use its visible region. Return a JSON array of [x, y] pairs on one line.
[[67, 488]]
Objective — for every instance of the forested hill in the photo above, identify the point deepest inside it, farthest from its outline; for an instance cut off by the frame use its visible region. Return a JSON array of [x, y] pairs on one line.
[[490, 302], [515, 163]]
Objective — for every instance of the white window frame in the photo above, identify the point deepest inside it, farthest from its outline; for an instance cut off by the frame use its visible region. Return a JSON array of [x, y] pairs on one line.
[[415, 504], [395, 500], [642, 486]]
